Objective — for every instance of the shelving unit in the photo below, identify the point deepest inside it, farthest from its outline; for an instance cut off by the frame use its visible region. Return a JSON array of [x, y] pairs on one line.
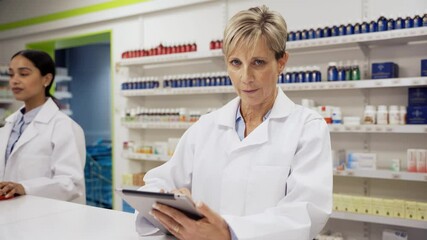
[[401, 222], [382, 174], [62, 93], [354, 96]]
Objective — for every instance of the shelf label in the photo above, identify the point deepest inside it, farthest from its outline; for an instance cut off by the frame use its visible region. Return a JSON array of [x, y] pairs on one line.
[[395, 176]]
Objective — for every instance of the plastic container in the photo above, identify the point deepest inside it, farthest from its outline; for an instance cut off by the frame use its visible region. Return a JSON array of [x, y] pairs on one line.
[[382, 23], [394, 115], [402, 115], [336, 115], [382, 115], [355, 71], [369, 115]]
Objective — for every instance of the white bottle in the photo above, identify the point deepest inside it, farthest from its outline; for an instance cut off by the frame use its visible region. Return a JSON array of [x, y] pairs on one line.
[[382, 115], [394, 115], [336, 115], [402, 112], [369, 115]]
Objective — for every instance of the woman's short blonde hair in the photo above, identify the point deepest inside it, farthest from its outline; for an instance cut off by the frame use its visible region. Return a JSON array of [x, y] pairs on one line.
[[247, 26]]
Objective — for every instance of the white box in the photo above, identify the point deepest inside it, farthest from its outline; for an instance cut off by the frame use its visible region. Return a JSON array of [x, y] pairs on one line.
[[366, 161], [421, 160], [389, 234]]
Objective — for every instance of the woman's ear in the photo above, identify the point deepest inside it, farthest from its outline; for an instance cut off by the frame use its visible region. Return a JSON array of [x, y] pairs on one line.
[[282, 61], [47, 79]]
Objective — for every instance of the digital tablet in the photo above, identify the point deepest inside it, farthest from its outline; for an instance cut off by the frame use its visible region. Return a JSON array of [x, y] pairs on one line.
[[143, 202]]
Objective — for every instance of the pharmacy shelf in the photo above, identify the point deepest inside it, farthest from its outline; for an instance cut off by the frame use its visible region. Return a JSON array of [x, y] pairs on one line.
[[371, 83], [333, 128], [356, 40], [62, 78], [63, 95], [157, 125], [171, 58], [379, 219], [339, 128], [383, 174], [6, 100], [4, 78], [178, 91], [368, 39], [146, 157]]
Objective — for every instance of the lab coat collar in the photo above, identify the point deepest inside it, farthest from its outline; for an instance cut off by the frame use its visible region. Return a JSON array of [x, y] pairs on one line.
[[283, 106], [46, 113]]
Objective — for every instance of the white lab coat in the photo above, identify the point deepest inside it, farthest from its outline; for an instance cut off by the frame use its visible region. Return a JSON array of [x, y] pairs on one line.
[[49, 157], [274, 184]]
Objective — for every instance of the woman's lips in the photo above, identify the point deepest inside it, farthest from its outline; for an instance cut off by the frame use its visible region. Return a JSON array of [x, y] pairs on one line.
[[250, 91], [16, 90]]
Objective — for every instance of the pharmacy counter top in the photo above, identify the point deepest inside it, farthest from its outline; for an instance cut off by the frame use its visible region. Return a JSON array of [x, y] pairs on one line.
[[30, 217]]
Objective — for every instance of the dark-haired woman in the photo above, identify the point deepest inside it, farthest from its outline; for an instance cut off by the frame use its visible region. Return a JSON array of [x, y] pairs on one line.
[[42, 150]]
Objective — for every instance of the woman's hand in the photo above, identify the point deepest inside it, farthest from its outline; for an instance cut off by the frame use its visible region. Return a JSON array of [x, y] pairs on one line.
[[211, 226], [9, 189]]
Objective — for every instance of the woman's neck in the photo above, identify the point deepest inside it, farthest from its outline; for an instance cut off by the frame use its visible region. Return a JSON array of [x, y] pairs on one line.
[[257, 112], [34, 103]]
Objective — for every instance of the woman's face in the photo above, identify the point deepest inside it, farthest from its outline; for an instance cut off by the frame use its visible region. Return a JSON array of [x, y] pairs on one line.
[[254, 73], [26, 81]]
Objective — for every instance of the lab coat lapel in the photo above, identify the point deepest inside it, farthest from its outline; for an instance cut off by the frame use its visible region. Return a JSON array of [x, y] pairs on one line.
[[43, 117], [4, 139], [282, 107]]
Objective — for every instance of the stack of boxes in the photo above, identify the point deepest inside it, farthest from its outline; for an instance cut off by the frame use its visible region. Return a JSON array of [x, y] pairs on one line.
[[396, 208]]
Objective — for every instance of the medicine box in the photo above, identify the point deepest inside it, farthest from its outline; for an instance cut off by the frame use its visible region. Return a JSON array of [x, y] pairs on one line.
[[365, 161], [411, 210], [389, 234], [385, 70], [416, 115], [424, 67], [417, 96]]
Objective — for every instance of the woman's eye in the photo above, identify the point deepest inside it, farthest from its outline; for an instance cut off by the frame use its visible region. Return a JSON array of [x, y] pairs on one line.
[[235, 62], [259, 62]]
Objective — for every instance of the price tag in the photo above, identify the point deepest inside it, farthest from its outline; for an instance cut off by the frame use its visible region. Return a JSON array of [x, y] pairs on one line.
[[389, 129], [395, 176]]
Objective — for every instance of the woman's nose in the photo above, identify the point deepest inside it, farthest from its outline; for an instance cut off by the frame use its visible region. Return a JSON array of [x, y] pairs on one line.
[[247, 75]]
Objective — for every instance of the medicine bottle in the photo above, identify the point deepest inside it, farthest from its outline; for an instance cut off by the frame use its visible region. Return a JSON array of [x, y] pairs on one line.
[[382, 115], [394, 115], [382, 23], [355, 71], [332, 71], [402, 114], [336, 115], [369, 115]]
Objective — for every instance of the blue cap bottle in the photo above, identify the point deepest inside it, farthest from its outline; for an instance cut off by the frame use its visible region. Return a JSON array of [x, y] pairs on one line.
[[332, 71], [382, 23]]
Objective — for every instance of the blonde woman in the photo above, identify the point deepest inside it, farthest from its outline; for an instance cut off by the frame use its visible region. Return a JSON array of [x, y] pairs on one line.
[[258, 168]]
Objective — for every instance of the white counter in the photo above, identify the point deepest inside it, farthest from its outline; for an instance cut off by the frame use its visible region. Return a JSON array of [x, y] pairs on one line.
[[30, 217]]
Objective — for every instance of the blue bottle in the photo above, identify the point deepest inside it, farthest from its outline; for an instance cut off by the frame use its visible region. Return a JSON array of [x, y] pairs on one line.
[[293, 76], [349, 29], [373, 26], [332, 71], [364, 27], [418, 21], [319, 32], [300, 76], [342, 30], [326, 32], [357, 28], [425, 20], [291, 36], [311, 33], [409, 22], [382, 24], [399, 23], [391, 24], [304, 34], [298, 35], [334, 31], [341, 73], [287, 77], [308, 75]]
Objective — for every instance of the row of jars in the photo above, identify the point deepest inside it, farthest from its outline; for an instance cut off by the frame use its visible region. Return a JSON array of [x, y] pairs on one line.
[[155, 115], [161, 50], [375, 25]]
